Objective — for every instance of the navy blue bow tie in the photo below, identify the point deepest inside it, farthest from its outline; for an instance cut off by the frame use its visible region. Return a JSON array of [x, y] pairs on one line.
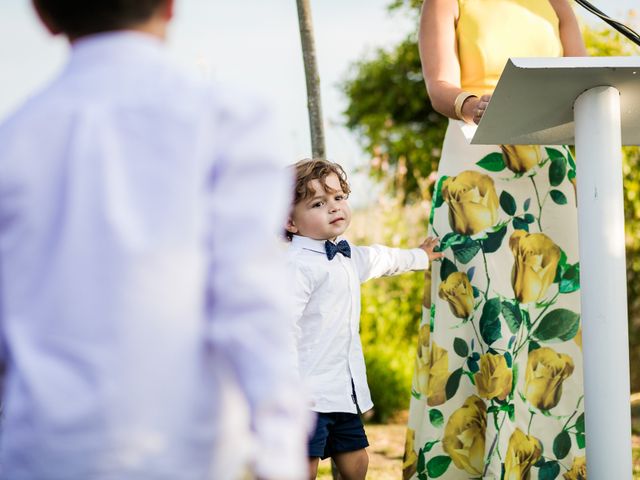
[[342, 247]]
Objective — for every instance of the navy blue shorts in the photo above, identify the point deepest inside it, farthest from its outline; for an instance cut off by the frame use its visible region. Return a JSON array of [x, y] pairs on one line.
[[337, 433]]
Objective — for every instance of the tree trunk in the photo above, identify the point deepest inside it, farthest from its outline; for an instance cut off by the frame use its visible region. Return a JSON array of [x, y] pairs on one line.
[[314, 103]]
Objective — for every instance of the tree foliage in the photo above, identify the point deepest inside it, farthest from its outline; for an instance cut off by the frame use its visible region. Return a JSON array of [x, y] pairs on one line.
[[398, 128], [389, 110]]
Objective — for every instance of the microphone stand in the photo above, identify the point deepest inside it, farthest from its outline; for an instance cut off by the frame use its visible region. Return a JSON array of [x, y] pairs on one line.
[[620, 27]]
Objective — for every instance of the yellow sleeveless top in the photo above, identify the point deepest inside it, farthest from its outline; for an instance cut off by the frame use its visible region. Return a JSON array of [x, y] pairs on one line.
[[490, 31]]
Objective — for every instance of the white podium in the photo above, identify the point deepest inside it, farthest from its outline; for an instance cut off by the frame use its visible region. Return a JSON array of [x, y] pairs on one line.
[[594, 103]]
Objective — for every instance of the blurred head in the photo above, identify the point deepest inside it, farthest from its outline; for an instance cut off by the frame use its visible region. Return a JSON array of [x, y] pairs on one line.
[[78, 18], [320, 208]]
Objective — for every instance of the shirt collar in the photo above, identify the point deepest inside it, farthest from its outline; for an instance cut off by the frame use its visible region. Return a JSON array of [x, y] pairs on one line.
[[306, 243], [127, 45]]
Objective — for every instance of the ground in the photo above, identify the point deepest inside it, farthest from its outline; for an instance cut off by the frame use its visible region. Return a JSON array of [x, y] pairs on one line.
[[387, 446]]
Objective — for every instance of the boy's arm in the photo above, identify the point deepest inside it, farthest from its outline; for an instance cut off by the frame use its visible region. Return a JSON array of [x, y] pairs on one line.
[[247, 305], [378, 261]]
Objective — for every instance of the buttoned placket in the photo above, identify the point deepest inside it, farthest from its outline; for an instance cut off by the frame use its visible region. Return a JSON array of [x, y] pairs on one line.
[[352, 354]]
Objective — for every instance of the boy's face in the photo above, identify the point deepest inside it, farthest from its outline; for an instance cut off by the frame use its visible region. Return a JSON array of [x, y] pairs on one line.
[[325, 215]]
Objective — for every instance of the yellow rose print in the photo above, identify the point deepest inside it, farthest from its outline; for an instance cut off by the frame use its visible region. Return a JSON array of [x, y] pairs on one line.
[[523, 451], [421, 380], [410, 460], [536, 260], [578, 338], [494, 378], [472, 200], [464, 436], [426, 296], [578, 469], [438, 375], [546, 370], [521, 158], [457, 291]]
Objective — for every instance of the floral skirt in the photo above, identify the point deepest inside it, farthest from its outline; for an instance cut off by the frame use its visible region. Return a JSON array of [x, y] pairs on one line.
[[497, 390]]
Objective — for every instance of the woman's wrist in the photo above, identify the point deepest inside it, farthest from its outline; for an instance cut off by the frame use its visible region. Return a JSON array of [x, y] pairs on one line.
[[469, 109], [463, 106]]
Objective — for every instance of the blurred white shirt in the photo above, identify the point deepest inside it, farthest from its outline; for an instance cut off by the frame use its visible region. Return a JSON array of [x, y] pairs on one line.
[[140, 276], [327, 317]]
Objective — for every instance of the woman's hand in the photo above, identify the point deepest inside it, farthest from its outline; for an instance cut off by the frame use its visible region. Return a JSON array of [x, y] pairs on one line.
[[474, 108], [429, 246]]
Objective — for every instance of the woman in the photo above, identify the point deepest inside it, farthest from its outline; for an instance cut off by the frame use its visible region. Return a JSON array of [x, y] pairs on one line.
[[497, 391]]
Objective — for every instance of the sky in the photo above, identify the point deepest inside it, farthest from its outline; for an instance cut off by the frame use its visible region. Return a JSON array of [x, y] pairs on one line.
[[254, 44]]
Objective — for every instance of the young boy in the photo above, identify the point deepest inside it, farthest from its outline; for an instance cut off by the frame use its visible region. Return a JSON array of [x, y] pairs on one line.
[[139, 268], [327, 275]]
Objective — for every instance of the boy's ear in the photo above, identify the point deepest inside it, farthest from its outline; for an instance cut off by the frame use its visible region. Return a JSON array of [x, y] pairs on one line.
[[46, 19], [291, 226], [168, 10]]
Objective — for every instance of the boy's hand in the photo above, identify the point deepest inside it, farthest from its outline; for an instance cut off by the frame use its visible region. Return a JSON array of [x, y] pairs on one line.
[[428, 246]]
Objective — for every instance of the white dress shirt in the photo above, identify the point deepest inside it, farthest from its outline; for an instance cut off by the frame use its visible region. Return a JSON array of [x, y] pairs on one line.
[[327, 317], [140, 276]]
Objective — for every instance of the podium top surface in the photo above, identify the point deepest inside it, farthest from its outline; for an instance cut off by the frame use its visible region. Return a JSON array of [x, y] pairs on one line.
[[533, 101]]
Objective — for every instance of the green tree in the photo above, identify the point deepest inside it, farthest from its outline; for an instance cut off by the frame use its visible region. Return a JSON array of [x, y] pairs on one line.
[[389, 110]]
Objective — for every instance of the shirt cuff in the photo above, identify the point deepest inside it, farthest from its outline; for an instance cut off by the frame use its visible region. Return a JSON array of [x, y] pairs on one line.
[[420, 259], [282, 450]]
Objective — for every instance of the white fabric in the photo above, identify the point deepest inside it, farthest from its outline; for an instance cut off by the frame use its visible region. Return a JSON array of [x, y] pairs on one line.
[[327, 317], [139, 266]]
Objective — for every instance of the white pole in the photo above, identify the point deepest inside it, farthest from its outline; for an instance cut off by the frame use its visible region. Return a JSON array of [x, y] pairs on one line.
[[603, 284]]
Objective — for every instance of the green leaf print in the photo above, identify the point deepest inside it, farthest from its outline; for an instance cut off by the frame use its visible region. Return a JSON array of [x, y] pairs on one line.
[[570, 281], [527, 204], [562, 445], [516, 371], [438, 465], [572, 162], [560, 324], [461, 347], [509, 359], [494, 240], [447, 268], [511, 314], [465, 252], [520, 224], [557, 171], [526, 318], [489, 321], [558, 197], [436, 418], [470, 273], [554, 153], [437, 195], [450, 239], [580, 440], [494, 162], [562, 266], [508, 203], [533, 346], [437, 199], [428, 446], [472, 365], [421, 462], [580, 423], [453, 383], [549, 471]]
